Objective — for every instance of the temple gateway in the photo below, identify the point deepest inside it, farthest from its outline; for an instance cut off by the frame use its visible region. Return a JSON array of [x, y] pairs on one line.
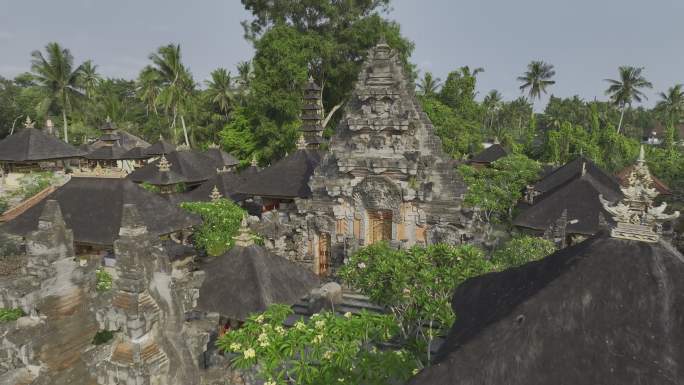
[[384, 177]]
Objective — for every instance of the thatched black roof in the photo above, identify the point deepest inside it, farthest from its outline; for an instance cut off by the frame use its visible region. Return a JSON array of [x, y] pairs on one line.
[[135, 153], [222, 158], [92, 208], [606, 311], [490, 154], [287, 178], [247, 280], [228, 184], [573, 170], [33, 145], [580, 198], [188, 166], [160, 148], [114, 152]]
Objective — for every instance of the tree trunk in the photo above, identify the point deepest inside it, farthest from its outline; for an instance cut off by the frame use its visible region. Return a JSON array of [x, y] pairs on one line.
[[66, 130], [330, 114], [185, 131], [622, 115]]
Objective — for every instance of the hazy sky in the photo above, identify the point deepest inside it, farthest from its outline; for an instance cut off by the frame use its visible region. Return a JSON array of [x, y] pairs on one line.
[[585, 39]]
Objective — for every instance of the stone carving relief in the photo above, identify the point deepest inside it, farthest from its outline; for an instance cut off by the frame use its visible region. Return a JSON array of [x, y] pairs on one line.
[[378, 193]]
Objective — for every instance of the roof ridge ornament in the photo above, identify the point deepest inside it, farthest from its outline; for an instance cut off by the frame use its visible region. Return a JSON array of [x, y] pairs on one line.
[[637, 219], [244, 237], [213, 146], [164, 165], [254, 162], [28, 123], [215, 194]]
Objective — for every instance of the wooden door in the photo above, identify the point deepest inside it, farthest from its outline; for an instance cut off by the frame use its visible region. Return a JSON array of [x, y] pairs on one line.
[[380, 222], [323, 253]]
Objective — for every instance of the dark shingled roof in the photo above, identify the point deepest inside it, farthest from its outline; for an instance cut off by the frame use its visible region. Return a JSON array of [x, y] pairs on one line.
[[579, 198], [115, 152], [247, 280], [572, 170], [490, 154], [222, 158], [135, 153], [287, 178], [33, 145], [160, 148], [228, 184], [606, 311], [92, 208], [188, 166]]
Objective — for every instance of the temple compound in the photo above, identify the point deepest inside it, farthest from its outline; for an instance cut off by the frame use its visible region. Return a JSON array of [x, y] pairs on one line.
[[385, 176]]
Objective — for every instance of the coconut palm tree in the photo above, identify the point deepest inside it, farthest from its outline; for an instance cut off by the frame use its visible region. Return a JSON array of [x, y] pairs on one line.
[[148, 89], [89, 77], [429, 84], [492, 104], [537, 77], [671, 104], [220, 90], [176, 83], [56, 76], [628, 89]]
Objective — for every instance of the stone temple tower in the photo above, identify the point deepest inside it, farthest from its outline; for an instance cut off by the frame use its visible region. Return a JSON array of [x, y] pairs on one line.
[[386, 177]]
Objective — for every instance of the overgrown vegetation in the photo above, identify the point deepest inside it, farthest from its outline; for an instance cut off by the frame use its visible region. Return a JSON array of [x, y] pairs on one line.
[[103, 280], [221, 222], [102, 337], [11, 314], [35, 182], [521, 250]]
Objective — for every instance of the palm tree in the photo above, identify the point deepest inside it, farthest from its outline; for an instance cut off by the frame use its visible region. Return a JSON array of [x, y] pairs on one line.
[[466, 72], [59, 80], [429, 84], [537, 78], [89, 77], [176, 81], [148, 89], [671, 104], [492, 103], [628, 89], [220, 90]]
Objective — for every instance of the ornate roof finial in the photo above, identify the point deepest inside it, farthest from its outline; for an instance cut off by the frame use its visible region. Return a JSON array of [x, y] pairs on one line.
[[161, 137], [28, 123], [301, 143], [108, 120], [244, 238], [496, 140], [213, 145], [254, 161], [584, 168], [636, 217], [164, 165], [215, 194]]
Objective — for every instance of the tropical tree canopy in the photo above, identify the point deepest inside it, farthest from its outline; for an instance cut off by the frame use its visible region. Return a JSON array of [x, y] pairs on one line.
[[627, 89], [537, 78]]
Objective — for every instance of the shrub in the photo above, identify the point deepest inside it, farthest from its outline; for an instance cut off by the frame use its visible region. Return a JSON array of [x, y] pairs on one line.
[[221, 222], [11, 314], [102, 337], [521, 250], [104, 280], [33, 183]]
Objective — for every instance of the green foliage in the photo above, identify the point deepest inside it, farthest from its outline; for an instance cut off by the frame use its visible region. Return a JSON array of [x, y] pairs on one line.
[[35, 182], [496, 189], [459, 136], [150, 187], [521, 250], [4, 205], [221, 222], [103, 280], [102, 337], [326, 349], [10, 314], [415, 284]]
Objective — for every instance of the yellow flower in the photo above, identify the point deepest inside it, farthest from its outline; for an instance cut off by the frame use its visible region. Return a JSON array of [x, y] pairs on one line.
[[264, 344], [318, 338], [249, 353], [300, 325], [327, 355], [280, 330], [340, 380], [320, 324], [347, 315], [270, 383], [235, 346], [260, 319], [262, 337]]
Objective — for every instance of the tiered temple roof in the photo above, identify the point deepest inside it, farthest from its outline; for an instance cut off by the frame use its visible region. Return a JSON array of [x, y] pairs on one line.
[[312, 115], [186, 166], [249, 278], [31, 145], [492, 153], [160, 148], [224, 160]]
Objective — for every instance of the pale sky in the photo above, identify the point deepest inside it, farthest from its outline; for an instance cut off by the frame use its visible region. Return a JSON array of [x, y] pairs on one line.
[[585, 39]]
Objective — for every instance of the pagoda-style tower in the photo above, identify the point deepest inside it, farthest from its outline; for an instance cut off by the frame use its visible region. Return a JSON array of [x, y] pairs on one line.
[[312, 115], [385, 177], [136, 358]]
